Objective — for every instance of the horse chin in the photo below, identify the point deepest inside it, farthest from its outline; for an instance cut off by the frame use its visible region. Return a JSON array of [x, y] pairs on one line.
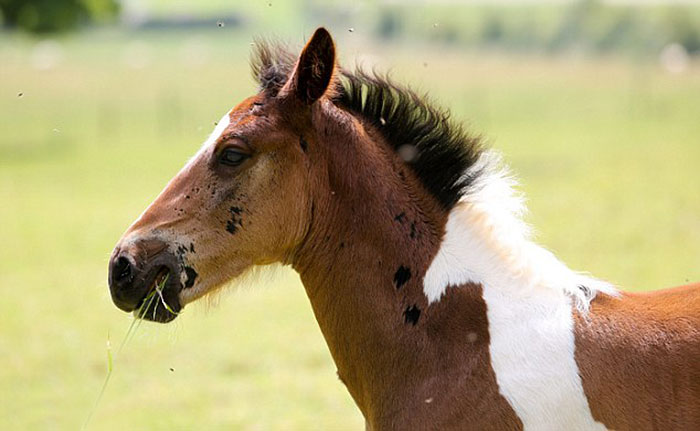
[[202, 291], [210, 289]]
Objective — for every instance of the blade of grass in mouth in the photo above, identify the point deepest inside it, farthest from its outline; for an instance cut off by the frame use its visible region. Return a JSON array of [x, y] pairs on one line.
[[135, 324], [162, 300], [138, 317]]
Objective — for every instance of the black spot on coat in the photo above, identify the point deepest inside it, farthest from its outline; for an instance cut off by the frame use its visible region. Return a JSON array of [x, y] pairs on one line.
[[402, 275], [412, 314]]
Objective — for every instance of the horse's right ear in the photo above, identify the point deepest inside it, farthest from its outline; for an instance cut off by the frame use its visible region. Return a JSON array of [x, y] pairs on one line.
[[314, 69]]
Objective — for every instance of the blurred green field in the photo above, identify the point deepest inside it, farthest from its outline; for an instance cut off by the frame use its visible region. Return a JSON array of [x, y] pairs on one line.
[[608, 152]]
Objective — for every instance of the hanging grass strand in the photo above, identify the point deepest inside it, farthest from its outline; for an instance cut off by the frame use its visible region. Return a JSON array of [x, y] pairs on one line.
[[110, 367], [133, 328]]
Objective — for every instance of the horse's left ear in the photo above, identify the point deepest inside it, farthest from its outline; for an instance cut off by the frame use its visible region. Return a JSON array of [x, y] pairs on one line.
[[314, 70]]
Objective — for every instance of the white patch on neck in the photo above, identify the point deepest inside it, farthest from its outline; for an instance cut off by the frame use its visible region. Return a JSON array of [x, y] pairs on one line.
[[487, 241], [529, 296]]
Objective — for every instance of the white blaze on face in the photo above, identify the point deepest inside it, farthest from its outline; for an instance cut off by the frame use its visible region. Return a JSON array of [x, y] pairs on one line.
[[529, 297], [219, 129], [221, 126]]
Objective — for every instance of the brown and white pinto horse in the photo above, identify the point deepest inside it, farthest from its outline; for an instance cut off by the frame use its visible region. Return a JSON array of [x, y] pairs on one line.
[[438, 309]]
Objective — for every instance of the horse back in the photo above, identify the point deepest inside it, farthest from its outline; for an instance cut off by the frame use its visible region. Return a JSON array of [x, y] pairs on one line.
[[639, 359]]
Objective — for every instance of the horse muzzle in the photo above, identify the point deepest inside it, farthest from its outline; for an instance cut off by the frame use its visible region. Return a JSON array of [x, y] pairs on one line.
[[144, 278]]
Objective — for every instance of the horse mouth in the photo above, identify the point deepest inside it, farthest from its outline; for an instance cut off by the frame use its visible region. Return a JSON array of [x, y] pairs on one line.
[[161, 303]]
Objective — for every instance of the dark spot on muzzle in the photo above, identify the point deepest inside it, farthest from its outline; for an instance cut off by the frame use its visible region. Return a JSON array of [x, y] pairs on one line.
[[191, 276]]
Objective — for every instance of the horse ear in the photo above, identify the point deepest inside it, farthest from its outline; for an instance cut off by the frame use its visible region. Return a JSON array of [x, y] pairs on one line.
[[314, 70]]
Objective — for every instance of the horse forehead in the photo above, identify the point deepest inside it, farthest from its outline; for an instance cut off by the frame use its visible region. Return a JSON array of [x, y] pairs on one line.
[[247, 109], [245, 113], [246, 105]]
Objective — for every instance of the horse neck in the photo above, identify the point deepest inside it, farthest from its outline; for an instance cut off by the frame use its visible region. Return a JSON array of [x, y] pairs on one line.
[[372, 237]]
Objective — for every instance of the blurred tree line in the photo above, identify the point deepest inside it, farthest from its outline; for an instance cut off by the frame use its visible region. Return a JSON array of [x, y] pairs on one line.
[[587, 25], [45, 16]]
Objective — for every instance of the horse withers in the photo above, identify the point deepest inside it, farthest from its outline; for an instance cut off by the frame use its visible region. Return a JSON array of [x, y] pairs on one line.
[[438, 309]]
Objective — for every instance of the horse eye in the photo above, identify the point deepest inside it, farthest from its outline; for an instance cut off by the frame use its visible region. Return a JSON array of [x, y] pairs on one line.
[[232, 157]]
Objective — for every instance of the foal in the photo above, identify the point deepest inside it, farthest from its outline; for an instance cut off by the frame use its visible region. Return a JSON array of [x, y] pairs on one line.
[[438, 310]]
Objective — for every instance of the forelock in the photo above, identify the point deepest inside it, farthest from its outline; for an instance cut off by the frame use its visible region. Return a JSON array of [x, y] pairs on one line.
[[271, 65]]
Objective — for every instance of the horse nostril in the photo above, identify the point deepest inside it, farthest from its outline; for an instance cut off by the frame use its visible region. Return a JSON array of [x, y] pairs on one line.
[[122, 270]]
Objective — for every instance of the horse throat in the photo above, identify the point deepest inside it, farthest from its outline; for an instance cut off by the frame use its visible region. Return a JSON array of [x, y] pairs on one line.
[[362, 266]]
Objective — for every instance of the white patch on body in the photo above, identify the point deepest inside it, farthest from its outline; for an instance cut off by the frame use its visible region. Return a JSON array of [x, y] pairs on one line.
[[529, 297]]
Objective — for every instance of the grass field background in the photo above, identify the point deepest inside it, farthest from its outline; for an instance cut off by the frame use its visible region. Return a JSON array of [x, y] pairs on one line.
[[608, 152]]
